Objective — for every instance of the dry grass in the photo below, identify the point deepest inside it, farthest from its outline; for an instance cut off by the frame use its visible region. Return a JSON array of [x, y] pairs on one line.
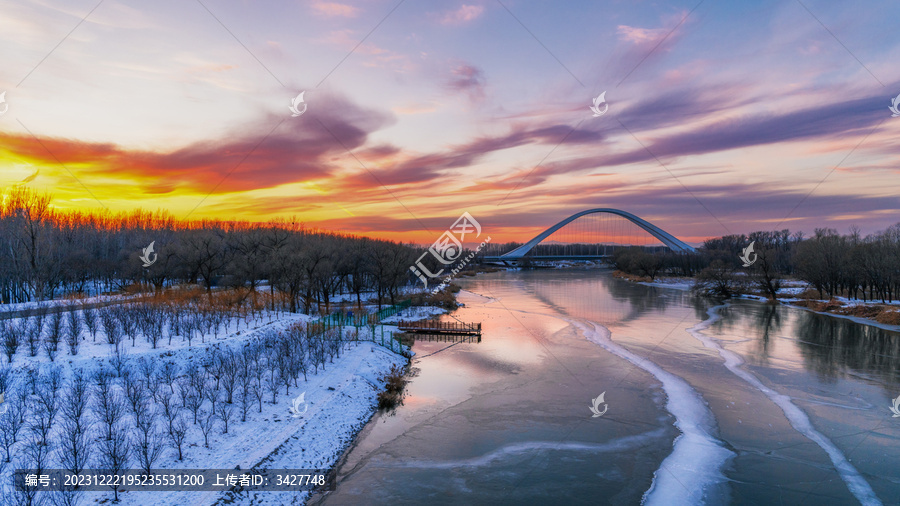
[[446, 298], [889, 317], [808, 294], [819, 306], [861, 311], [631, 277], [392, 396]]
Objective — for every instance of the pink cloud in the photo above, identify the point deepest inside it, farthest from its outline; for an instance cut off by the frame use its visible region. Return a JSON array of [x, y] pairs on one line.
[[468, 79], [334, 9], [462, 15], [640, 35]]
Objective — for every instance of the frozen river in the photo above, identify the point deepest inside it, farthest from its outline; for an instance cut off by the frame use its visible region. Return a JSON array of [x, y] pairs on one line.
[[740, 404]]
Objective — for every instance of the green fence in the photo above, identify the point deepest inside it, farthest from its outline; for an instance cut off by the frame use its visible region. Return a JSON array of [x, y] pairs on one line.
[[340, 319]]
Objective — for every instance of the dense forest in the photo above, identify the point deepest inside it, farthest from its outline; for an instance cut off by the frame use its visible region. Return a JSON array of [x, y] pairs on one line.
[[46, 253]]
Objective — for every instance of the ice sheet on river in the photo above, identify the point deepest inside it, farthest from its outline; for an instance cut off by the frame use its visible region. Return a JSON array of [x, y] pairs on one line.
[[692, 474], [858, 486]]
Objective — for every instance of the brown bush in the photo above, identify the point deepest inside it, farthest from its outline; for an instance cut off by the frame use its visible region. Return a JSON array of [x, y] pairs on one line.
[[631, 277], [808, 294], [889, 317], [862, 311], [395, 382], [445, 298]]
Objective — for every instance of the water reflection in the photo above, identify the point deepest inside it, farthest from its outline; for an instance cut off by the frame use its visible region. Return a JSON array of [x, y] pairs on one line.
[[831, 346], [589, 294], [768, 322]]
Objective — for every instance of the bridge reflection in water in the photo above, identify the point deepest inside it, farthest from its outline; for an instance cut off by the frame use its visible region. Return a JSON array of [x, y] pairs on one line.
[[408, 338]]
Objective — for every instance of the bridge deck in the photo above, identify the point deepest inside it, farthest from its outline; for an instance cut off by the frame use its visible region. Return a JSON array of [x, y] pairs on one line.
[[547, 258]]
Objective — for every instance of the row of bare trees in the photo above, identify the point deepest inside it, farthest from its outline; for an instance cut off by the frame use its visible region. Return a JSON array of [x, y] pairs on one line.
[[851, 265], [155, 320], [130, 416], [45, 253]]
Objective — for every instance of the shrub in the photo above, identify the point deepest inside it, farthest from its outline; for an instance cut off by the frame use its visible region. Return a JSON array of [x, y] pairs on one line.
[[392, 396]]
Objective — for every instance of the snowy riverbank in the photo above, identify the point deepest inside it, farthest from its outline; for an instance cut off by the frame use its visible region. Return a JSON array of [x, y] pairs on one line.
[[787, 295], [338, 392]]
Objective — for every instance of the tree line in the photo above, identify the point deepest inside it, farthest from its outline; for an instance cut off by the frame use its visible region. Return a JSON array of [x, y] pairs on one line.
[[849, 265], [45, 252]]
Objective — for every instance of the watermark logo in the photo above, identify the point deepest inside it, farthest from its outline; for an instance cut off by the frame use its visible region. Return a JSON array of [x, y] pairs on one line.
[[745, 255], [5, 105], [600, 100], [895, 111], [895, 408], [595, 406], [146, 256], [296, 102], [448, 248], [295, 409]]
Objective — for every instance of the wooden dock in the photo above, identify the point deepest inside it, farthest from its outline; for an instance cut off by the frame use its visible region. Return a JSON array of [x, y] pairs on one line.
[[438, 327], [409, 338]]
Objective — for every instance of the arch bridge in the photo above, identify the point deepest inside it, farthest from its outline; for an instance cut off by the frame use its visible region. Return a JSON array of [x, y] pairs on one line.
[[669, 240]]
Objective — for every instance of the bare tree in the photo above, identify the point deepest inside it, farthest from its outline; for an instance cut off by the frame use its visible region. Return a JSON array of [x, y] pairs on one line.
[[148, 446], [90, 319], [273, 382], [229, 370], [258, 387], [147, 368], [177, 432], [317, 351], [114, 451], [168, 373], [32, 337], [74, 326], [36, 454], [213, 396], [284, 367], [54, 330], [246, 386], [108, 404], [111, 326], [193, 397], [207, 422], [74, 448], [128, 319], [136, 395], [46, 405], [225, 412], [120, 359], [12, 336], [12, 420]]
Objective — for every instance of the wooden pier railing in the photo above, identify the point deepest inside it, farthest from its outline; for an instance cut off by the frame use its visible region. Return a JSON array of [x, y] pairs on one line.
[[440, 327]]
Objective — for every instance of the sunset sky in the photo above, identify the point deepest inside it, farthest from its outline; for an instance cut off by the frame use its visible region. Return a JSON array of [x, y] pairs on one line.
[[727, 117]]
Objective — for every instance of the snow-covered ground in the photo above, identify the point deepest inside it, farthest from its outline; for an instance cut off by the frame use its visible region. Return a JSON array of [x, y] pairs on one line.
[[340, 399]]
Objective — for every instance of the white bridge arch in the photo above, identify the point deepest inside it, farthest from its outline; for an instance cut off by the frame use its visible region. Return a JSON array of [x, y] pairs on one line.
[[672, 242]]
